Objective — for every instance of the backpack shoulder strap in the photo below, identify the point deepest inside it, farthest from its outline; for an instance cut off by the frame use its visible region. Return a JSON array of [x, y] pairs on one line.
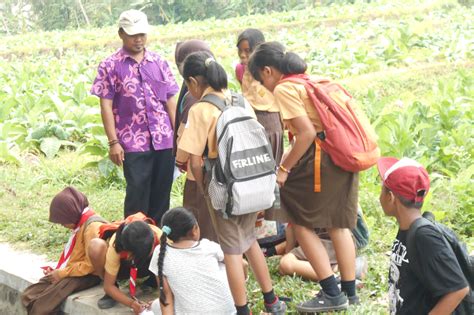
[[95, 218], [304, 79], [411, 245], [106, 230], [413, 229], [215, 100], [295, 78], [92, 219]]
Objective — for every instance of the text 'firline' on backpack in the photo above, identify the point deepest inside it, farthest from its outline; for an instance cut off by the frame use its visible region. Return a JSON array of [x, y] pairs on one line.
[[243, 176]]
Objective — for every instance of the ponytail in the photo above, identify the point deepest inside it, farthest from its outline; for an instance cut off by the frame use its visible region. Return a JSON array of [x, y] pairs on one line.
[[203, 64], [161, 258], [176, 223], [292, 64], [272, 54], [215, 75], [118, 239]]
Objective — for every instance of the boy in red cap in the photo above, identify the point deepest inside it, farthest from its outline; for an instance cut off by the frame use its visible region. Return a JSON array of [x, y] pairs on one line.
[[439, 285]]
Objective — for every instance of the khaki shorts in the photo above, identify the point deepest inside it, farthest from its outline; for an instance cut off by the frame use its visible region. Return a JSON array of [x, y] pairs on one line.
[[298, 252]]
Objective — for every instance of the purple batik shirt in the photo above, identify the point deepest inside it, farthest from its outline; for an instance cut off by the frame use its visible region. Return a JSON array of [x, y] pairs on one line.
[[139, 92]]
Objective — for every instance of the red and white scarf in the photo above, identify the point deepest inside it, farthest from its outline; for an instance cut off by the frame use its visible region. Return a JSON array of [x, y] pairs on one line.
[[66, 254]]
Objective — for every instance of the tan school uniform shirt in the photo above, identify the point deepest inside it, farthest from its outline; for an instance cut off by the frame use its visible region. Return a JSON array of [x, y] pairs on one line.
[[79, 263], [293, 101], [257, 95], [182, 156], [200, 130], [112, 258]]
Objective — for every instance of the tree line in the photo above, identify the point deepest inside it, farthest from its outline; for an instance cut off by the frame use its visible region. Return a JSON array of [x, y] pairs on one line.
[[19, 16]]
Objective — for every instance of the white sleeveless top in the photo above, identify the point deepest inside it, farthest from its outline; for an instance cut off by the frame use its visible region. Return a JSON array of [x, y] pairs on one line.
[[197, 278]]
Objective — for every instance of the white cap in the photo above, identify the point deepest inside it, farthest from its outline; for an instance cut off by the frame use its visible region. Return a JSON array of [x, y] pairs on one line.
[[134, 22]]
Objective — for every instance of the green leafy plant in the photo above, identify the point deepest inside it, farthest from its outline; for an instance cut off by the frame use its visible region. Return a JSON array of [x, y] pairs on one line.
[[97, 146]]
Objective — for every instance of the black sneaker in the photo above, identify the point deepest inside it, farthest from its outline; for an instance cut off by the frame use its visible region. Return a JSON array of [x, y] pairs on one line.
[[323, 302], [353, 300], [106, 302], [278, 307]]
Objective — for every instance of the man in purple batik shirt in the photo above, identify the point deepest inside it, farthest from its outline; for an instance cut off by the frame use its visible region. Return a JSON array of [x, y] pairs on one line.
[[137, 99]]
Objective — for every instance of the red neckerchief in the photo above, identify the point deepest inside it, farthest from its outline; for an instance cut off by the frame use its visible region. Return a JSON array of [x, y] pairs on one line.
[[133, 269], [66, 254]]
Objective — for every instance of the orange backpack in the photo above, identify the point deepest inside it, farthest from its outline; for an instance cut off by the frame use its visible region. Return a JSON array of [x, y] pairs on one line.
[[108, 229], [347, 135]]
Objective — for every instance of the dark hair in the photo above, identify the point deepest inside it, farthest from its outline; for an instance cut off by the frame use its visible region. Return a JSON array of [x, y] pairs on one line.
[[405, 202], [272, 54], [183, 49], [180, 221], [410, 203], [253, 36], [135, 237], [203, 64]]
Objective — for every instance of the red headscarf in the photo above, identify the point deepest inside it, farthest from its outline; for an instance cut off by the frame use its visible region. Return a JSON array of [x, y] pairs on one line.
[[67, 206]]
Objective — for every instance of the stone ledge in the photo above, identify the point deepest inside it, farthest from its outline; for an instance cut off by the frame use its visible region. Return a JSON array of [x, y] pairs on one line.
[[19, 269]]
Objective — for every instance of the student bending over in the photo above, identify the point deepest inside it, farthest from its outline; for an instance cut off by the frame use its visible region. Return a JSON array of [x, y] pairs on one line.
[[193, 198], [236, 234], [74, 271], [117, 251], [332, 204]]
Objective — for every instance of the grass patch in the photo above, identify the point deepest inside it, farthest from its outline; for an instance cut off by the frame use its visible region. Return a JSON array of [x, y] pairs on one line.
[[26, 192]]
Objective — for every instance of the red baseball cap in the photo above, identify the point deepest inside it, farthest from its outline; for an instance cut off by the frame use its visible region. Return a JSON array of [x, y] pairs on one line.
[[406, 177]]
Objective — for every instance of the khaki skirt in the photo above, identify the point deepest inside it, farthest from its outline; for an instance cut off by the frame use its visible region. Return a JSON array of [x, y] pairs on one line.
[[194, 201], [273, 127], [335, 206], [235, 234]]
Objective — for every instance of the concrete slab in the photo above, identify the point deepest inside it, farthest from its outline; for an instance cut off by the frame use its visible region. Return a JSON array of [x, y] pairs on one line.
[[19, 269], [85, 303]]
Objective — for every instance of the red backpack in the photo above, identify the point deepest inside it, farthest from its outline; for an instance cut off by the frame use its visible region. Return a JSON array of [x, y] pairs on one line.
[[108, 229], [347, 135]]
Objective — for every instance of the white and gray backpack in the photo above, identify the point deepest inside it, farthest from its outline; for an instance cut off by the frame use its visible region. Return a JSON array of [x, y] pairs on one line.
[[243, 178]]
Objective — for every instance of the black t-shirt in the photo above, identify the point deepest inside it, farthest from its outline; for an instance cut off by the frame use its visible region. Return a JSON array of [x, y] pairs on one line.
[[417, 293]]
